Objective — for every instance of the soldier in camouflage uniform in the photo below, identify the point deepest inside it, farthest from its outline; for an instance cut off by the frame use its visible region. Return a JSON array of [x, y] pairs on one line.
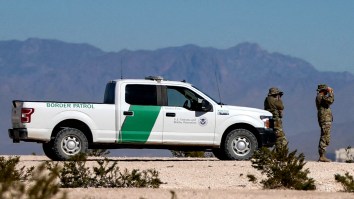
[[274, 104], [324, 99]]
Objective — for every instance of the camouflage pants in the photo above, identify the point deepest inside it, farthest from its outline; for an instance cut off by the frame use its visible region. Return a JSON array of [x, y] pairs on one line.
[[279, 133], [325, 137]]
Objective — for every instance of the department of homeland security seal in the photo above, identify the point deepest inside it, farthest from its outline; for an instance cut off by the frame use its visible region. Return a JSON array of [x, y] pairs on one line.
[[203, 121]]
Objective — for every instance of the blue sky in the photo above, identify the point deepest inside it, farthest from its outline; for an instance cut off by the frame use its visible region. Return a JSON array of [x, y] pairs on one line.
[[319, 31]]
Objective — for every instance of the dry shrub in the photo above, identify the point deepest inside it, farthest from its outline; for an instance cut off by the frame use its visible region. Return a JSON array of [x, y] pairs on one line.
[[42, 185], [192, 154], [75, 174], [347, 181], [283, 169]]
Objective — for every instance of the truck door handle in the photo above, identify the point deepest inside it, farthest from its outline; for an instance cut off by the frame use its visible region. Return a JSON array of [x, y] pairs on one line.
[[128, 113], [171, 114]]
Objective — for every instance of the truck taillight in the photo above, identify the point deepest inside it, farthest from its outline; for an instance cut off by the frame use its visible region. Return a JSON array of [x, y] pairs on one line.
[[26, 114]]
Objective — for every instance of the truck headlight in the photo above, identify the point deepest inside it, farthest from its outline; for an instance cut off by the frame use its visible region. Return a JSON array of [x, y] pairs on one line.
[[267, 121]]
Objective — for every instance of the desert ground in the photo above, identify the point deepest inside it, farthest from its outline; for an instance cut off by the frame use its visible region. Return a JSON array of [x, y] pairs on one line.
[[208, 178]]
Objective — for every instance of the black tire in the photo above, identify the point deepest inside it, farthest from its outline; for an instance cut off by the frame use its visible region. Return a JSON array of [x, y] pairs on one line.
[[68, 143], [48, 150], [240, 144], [219, 154]]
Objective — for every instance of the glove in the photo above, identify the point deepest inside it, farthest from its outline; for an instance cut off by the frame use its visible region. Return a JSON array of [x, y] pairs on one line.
[[330, 90]]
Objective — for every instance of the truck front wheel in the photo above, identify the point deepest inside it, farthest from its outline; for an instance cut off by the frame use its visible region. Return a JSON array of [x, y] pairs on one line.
[[240, 144], [69, 142]]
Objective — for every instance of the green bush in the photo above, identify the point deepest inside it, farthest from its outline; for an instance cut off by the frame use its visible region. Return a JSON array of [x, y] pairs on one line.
[[44, 183], [107, 175], [135, 178], [192, 154], [347, 181], [11, 178], [12, 181], [98, 152], [283, 169], [9, 172], [75, 174], [252, 178]]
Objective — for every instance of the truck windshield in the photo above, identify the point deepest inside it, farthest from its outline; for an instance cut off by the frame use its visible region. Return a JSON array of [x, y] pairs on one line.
[[220, 103], [109, 94]]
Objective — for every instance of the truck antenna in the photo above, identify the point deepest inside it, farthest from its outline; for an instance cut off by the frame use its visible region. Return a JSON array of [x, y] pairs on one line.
[[217, 82], [121, 68]]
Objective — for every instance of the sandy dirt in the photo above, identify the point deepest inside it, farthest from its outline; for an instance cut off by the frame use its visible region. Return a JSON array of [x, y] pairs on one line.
[[209, 178]]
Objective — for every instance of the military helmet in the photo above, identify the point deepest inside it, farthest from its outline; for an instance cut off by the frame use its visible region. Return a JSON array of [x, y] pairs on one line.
[[322, 87], [275, 91]]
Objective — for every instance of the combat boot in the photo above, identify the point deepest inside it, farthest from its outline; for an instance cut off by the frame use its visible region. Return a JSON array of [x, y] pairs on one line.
[[323, 158]]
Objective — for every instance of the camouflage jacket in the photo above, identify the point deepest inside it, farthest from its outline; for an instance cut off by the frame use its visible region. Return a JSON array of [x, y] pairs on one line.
[[275, 106], [323, 102]]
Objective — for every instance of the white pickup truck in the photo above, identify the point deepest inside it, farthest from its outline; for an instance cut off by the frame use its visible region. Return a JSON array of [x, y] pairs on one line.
[[145, 113]]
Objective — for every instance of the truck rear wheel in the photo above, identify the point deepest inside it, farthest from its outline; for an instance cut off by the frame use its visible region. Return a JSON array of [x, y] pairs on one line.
[[48, 150], [220, 154], [68, 143], [240, 144]]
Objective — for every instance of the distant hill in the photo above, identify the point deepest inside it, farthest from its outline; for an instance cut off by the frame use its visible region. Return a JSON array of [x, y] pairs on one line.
[[38, 69]]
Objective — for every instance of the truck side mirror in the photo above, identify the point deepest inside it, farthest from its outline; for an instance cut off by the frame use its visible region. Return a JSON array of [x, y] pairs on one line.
[[206, 106]]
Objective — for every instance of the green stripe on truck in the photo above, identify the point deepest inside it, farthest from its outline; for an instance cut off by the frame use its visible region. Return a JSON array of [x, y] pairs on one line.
[[137, 128]]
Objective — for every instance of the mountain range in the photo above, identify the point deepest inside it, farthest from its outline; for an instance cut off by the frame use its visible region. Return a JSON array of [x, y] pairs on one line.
[[42, 69]]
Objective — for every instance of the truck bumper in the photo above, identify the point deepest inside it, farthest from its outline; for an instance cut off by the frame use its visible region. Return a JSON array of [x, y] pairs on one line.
[[18, 134], [267, 137]]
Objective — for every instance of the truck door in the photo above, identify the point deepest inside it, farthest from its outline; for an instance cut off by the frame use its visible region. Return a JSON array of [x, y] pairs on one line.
[[140, 117], [184, 121]]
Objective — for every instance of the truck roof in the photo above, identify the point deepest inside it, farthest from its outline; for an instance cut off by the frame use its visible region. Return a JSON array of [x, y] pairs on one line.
[[154, 80]]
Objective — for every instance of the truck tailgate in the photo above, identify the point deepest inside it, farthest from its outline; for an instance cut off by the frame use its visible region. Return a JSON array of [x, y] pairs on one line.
[[16, 114]]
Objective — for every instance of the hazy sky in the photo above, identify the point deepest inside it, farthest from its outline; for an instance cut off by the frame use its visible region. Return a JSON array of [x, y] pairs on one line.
[[319, 31]]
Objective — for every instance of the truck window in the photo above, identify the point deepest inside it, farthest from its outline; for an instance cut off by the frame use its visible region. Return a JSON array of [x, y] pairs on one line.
[[182, 97], [136, 94], [109, 94]]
